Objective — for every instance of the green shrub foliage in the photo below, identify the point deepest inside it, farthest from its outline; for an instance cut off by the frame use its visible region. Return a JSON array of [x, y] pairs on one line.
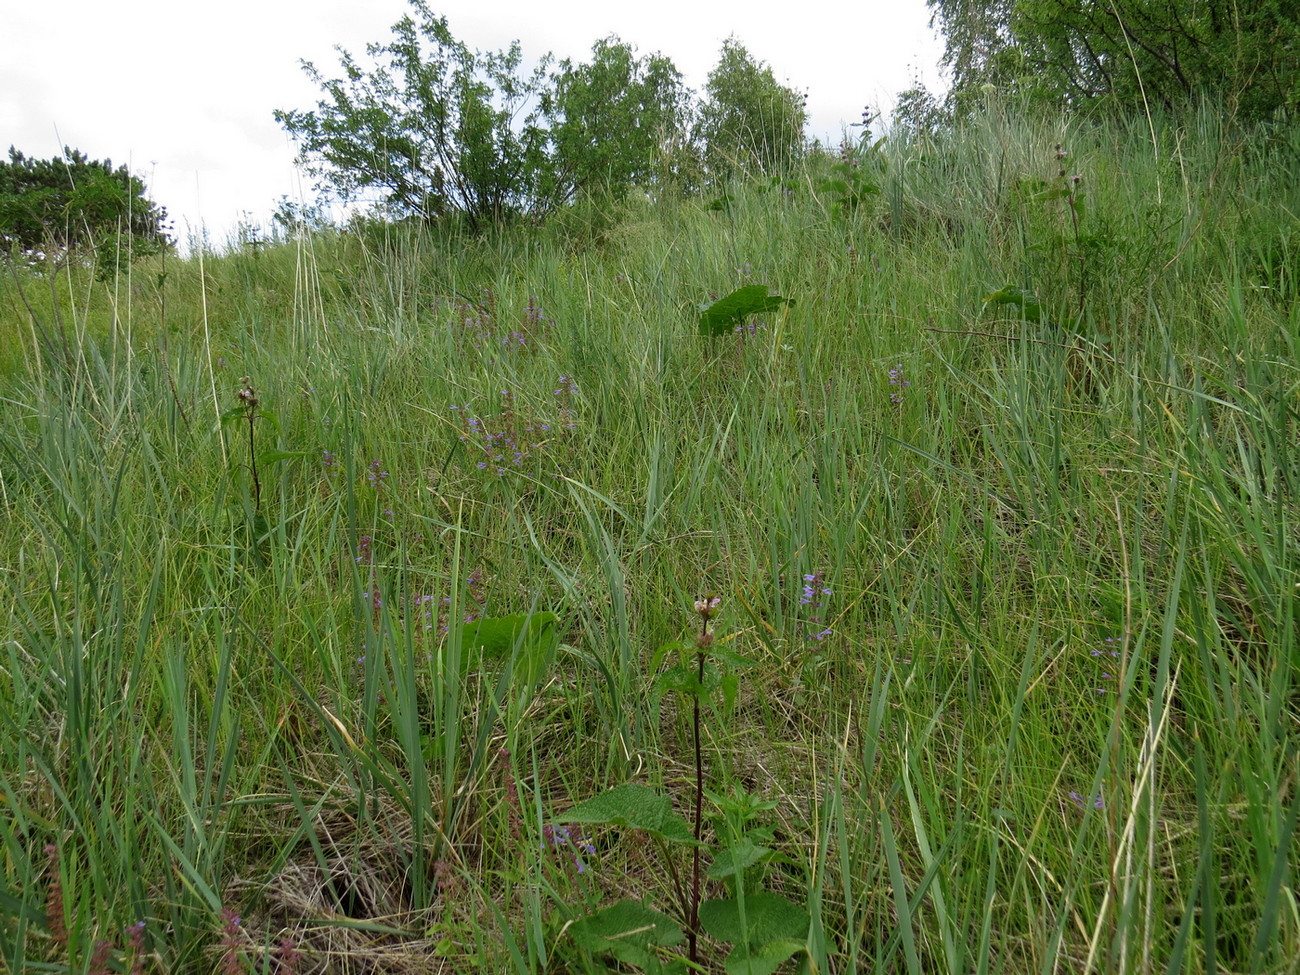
[[1126, 53], [431, 128], [428, 128], [749, 120], [615, 121], [54, 206]]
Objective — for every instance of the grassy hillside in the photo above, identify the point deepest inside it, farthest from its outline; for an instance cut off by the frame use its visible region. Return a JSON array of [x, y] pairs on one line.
[[1004, 667]]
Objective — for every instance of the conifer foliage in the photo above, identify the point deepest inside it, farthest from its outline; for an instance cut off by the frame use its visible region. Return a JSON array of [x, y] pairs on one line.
[[51, 207]]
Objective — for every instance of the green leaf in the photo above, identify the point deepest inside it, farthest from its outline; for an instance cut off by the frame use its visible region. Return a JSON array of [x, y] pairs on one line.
[[728, 656], [730, 690], [672, 646], [720, 317], [776, 929], [497, 636], [627, 930], [633, 806], [763, 960], [684, 680], [737, 859], [1022, 298], [536, 635], [768, 917]]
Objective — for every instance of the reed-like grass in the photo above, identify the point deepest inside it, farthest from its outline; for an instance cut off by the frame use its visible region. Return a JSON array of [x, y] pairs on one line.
[[1039, 714]]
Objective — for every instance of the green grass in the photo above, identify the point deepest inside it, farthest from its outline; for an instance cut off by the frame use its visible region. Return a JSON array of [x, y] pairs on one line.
[[1053, 727]]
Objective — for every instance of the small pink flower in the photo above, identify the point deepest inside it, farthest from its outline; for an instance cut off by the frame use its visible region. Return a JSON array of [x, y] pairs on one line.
[[707, 606]]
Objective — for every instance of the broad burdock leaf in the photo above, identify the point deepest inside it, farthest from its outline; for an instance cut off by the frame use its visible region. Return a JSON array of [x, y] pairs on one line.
[[763, 959], [633, 806], [497, 636], [536, 635], [1022, 298], [726, 313], [626, 930]]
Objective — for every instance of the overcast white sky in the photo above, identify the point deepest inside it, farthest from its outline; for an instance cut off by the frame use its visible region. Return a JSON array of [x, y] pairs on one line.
[[183, 92]]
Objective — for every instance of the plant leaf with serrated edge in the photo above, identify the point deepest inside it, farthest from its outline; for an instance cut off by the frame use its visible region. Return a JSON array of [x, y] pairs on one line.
[[626, 930], [728, 311], [728, 656], [634, 806], [681, 679], [763, 960], [777, 928], [736, 859], [672, 646]]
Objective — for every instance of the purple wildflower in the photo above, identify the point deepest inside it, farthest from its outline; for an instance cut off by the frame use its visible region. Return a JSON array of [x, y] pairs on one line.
[[564, 392], [573, 839], [287, 957], [1083, 802], [135, 938], [899, 381], [99, 956], [812, 596]]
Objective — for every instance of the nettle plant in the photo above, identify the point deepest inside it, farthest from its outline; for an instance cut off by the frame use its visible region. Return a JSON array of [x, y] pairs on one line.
[[764, 928]]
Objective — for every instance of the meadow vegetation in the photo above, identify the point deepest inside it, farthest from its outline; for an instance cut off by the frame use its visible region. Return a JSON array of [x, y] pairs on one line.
[[345, 574]]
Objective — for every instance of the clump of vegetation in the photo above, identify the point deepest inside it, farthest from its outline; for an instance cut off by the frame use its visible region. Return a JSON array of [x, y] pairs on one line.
[[438, 130], [52, 210]]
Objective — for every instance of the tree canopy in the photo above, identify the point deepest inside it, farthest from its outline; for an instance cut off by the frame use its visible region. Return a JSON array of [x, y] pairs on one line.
[[431, 128], [749, 119], [58, 205], [1127, 52], [615, 118], [428, 128]]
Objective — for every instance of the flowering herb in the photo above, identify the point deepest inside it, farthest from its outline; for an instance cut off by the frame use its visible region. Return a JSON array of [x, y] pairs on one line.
[[1083, 802], [899, 382], [376, 474], [1109, 650], [480, 324], [571, 840], [509, 442], [814, 594], [232, 940]]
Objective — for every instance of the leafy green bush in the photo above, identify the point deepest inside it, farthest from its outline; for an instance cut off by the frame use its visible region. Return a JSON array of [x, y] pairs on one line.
[[749, 121], [53, 206], [614, 120], [1126, 53], [432, 128]]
